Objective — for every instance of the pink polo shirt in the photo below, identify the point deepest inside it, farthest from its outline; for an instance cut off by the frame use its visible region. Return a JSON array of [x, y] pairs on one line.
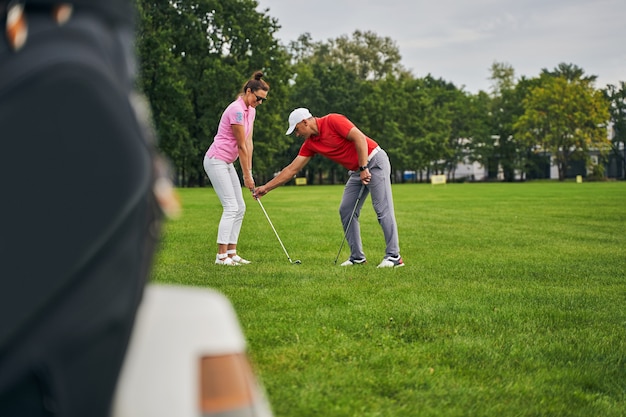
[[224, 146], [332, 142]]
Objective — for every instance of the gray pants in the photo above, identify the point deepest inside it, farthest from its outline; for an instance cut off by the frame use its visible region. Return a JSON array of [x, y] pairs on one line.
[[382, 201]]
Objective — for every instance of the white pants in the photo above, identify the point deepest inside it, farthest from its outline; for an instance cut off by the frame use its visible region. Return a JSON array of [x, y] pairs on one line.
[[226, 184]]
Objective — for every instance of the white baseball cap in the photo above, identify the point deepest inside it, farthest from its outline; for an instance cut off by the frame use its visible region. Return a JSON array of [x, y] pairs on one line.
[[296, 117]]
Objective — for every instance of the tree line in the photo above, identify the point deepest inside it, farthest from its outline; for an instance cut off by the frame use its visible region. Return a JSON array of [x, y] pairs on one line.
[[195, 55]]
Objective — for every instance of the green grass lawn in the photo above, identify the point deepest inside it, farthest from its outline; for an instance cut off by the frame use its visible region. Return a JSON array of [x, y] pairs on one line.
[[512, 301]]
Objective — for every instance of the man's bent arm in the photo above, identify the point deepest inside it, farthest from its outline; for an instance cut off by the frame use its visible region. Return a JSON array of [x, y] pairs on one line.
[[360, 143]]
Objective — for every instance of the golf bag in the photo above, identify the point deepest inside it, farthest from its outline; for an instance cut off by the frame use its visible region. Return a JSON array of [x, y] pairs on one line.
[[78, 219]]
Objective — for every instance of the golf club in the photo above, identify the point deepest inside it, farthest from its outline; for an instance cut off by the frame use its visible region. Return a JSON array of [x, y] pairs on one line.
[[350, 222], [296, 262]]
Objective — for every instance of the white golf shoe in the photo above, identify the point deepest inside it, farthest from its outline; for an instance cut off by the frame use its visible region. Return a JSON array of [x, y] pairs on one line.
[[351, 262], [240, 260], [391, 262], [228, 261]]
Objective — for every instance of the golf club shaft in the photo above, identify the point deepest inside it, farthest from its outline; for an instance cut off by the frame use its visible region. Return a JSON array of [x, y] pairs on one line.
[[274, 229], [345, 235]]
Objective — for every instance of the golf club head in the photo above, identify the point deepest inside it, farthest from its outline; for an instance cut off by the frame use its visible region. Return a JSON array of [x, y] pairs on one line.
[[296, 262]]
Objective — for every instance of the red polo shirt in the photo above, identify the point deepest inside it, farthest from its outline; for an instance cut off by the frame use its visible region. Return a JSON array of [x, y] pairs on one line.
[[332, 142]]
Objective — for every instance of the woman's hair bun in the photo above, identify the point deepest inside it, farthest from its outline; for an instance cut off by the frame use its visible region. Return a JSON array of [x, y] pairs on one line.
[[258, 75]]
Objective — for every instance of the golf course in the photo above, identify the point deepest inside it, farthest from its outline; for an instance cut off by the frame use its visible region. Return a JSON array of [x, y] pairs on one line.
[[512, 301]]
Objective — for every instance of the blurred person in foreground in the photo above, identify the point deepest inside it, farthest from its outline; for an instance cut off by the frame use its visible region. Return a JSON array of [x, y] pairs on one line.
[[335, 137], [80, 216], [234, 141]]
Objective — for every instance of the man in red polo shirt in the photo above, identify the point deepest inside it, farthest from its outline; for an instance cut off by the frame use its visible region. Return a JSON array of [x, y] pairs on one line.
[[338, 139]]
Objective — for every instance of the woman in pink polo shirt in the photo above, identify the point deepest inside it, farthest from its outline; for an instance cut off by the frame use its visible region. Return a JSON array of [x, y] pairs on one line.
[[234, 140]]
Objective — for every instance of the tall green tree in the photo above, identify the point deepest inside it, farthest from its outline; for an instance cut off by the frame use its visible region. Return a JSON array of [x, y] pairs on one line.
[[383, 116], [566, 117], [477, 115], [412, 119], [369, 56], [467, 121], [205, 50], [162, 80], [440, 123], [533, 162], [505, 110], [616, 96]]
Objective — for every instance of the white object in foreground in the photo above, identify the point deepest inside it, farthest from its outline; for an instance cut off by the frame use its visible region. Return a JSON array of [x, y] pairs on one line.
[[187, 358]]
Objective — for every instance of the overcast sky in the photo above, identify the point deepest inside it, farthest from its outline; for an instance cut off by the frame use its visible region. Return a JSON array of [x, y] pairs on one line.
[[458, 40]]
